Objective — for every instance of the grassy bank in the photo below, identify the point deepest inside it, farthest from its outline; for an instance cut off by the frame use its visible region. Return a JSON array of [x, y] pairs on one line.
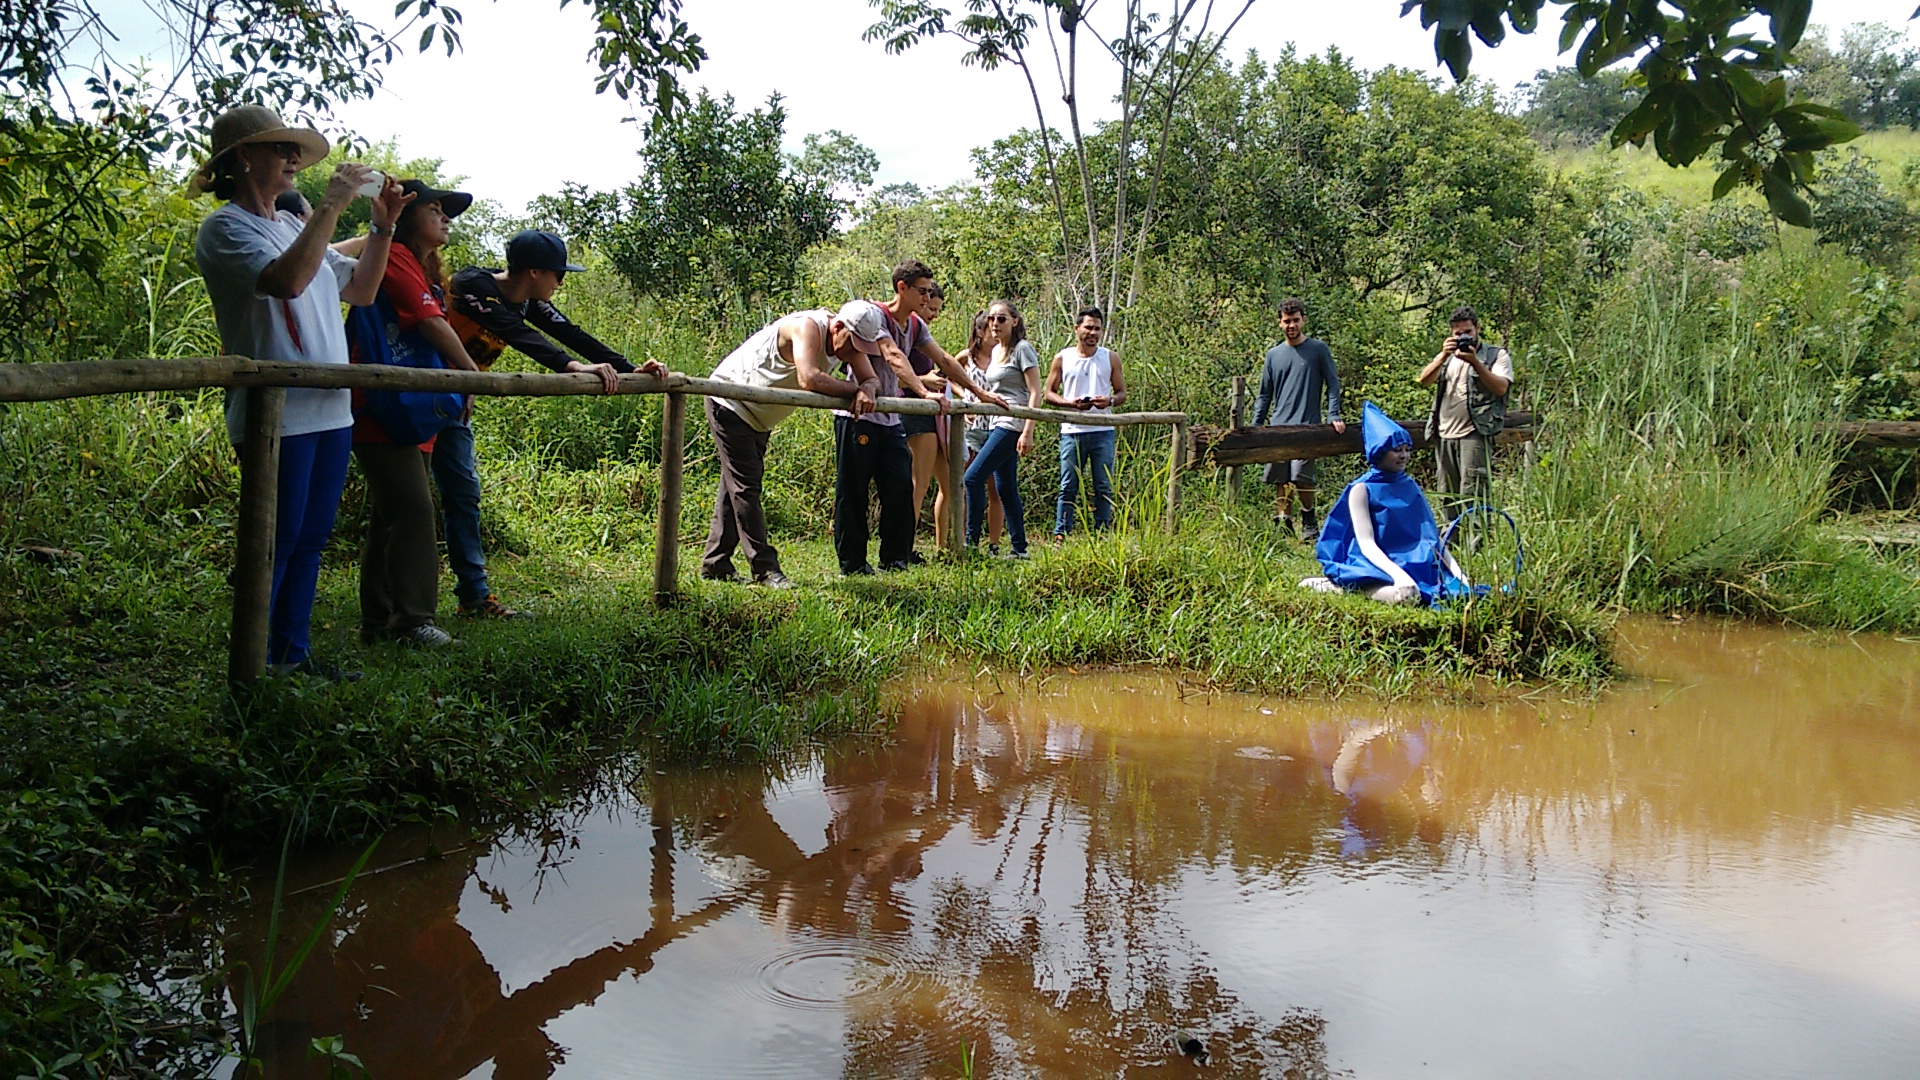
[[136, 786]]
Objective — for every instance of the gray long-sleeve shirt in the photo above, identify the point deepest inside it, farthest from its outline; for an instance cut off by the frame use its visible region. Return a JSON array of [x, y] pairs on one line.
[[1293, 382]]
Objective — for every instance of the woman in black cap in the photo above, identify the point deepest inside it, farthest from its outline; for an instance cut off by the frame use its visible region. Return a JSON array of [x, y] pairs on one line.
[[400, 566], [276, 290]]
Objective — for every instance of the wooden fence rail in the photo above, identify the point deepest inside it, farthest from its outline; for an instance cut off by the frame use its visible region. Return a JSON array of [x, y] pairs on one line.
[[260, 451]]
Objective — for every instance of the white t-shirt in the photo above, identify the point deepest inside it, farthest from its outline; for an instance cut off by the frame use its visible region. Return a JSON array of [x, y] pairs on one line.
[[233, 248]]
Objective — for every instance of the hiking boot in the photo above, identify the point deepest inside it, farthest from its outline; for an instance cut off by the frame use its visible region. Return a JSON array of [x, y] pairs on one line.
[[719, 573], [863, 570], [1285, 523], [1016, 555], [315, 669], [993, 550], [773, 579], [426, 636], [488, 607]]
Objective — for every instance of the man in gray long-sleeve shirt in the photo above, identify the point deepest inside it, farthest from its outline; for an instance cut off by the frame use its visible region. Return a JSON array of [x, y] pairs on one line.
[[1298, 372]]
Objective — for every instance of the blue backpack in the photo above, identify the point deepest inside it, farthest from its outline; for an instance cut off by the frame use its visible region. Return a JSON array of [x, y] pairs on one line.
[[409, 417]]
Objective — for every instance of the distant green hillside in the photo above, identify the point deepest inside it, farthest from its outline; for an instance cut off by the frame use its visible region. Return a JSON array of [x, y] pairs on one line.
[[1643, 170]]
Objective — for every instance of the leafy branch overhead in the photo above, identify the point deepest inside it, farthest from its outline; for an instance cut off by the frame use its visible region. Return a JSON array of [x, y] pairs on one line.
[[81, 120], [1712, 76]]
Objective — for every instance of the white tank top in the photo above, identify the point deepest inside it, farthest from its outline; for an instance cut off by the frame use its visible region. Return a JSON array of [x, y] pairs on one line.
[[1086, 376], [757, 362]]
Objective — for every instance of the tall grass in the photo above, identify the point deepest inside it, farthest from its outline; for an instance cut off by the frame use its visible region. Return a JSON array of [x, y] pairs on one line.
[[1682, 462]]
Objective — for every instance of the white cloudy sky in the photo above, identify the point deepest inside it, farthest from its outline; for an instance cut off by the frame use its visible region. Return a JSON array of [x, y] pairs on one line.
[[515, 111]]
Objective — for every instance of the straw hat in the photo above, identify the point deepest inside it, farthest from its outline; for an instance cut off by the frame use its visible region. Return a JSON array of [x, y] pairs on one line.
[[246, 124]]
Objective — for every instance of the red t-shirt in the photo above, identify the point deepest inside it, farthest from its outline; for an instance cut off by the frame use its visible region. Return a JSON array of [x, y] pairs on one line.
[[414, 300]]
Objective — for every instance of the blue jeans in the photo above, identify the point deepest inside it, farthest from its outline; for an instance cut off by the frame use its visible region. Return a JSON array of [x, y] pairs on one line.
[[313, 469], [1091, 450], [1000, 459], [459, 483]]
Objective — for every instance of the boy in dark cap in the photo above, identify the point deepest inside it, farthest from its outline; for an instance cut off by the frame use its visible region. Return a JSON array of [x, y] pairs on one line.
[[493, 310]]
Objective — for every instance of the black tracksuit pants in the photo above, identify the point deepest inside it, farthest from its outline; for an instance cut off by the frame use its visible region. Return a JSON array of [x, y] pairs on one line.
[[869, 456]]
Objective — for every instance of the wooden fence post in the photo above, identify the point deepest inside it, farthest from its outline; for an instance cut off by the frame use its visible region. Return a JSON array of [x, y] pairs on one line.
[[954, 483], [1239, 418], [666, 540], [1176, 464], [253, 547]]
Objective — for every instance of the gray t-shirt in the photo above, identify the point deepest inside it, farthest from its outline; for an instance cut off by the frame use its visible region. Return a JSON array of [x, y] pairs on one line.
[[233, 247], [1292, 383], [1007, 376], [1455, 421]]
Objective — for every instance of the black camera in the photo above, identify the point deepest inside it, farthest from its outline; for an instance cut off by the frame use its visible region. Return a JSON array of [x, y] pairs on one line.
[[1466, 343]]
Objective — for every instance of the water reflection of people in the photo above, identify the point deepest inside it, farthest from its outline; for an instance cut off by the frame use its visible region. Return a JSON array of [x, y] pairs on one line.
[[415, 995], [1367, 764]]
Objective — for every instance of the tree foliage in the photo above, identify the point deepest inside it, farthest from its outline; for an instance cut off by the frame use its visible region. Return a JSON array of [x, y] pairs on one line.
[[1564, 105], [1712, 80], [718, 210], [79, 122]]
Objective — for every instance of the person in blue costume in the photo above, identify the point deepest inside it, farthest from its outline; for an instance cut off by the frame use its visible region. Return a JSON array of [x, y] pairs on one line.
[[1380, 539]]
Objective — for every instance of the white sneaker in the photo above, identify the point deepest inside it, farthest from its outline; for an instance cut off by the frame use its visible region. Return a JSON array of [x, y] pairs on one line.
[[426, 636]]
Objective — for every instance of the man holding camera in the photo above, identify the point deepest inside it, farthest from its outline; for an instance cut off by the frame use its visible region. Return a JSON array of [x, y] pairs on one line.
[[1470, 379]]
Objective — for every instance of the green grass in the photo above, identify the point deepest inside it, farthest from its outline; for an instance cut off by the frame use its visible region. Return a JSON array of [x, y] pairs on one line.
[[136, 787]]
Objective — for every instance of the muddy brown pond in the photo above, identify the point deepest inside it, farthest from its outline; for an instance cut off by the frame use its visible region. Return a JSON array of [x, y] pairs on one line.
[[1713, 870]]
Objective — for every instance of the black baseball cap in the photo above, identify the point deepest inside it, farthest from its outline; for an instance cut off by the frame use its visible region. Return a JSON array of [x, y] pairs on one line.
[[537, 249], [452, 203]]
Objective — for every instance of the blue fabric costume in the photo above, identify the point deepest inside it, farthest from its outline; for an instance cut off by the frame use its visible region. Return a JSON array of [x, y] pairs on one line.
[[1403, 523]]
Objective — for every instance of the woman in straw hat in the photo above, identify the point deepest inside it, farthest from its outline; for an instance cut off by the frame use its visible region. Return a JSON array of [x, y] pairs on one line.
[[276, 290]]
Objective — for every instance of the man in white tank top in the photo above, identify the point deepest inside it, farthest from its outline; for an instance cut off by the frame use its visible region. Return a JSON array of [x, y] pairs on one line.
[[1086, 377], [791, 353]]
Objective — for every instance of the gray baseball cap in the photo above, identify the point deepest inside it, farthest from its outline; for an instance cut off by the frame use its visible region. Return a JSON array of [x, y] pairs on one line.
[[867, 322]]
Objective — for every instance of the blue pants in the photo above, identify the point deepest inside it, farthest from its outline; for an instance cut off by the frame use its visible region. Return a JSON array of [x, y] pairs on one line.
[[313, 469], [999, 459], [459, 483], [1091, 450]]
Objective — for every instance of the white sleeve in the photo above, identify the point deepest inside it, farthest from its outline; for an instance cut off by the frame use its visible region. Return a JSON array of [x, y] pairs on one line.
[[1360, 509], [342, 266], [1503, 365]]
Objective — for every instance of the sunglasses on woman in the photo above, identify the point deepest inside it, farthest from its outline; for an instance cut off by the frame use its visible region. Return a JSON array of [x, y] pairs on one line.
[[999, 318]]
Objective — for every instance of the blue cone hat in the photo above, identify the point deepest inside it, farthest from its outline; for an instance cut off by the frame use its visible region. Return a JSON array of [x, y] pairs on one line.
[[1378, 432]]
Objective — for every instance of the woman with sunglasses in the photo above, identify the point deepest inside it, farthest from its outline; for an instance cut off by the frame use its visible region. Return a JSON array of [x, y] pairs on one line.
[[1014, 374], [977, 355], [400, 565], [276, 290]]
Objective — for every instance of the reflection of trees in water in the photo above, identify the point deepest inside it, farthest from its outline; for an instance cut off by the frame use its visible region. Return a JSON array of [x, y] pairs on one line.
[[1058, 949]]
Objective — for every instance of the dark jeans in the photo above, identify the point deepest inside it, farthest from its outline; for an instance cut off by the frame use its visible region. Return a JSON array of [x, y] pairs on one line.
[[1000, 460], [400, 565], [459, 484], [1092, 451], [738, 518], [313, 469], [871, 456]]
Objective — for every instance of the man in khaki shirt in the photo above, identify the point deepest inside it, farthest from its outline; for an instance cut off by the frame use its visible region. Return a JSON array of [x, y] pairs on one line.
[[1470, 378]]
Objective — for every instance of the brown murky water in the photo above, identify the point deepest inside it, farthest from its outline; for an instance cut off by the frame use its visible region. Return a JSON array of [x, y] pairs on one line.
[[1713, 872]]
